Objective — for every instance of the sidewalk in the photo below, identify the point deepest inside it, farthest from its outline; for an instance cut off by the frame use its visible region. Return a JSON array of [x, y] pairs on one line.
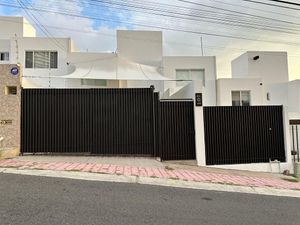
[[156, 171]]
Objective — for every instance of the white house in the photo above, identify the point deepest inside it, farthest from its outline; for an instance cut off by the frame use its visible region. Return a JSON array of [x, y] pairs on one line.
[[138, 62], [258, 78]]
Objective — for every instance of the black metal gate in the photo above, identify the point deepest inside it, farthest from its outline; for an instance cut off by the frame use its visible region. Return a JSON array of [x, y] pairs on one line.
[[295, 134], [177, 131], [97, 121], [235, 135]]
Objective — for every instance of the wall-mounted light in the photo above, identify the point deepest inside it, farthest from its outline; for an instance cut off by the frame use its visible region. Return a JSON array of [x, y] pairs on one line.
[[256, 57]]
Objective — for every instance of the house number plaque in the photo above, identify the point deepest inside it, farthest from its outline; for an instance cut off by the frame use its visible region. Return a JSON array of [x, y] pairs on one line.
[[198, 99]]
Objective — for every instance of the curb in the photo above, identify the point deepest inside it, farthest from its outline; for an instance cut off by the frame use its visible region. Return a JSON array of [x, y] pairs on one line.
[[153, 181]]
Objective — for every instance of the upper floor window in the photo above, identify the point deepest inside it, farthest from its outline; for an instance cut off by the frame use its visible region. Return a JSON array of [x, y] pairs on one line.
[[41, 59], [4, 56], [183, 76], [240, 98]]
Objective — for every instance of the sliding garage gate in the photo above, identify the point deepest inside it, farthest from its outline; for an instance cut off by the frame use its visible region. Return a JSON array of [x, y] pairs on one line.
[[106, 122], [235, 135], [96, 121]]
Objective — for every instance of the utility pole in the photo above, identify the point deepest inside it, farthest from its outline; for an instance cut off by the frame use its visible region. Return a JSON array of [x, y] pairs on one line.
[[202, 46]]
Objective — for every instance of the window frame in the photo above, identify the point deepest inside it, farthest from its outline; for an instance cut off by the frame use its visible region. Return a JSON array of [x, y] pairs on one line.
[[49, 59], [180, 82], [240, 97]]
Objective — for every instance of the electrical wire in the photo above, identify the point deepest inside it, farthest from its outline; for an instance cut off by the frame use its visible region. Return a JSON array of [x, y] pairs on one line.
[[162, 27], [270, 4]]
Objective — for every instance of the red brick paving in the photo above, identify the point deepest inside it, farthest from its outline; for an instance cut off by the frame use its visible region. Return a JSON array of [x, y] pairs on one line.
[[180, 174]]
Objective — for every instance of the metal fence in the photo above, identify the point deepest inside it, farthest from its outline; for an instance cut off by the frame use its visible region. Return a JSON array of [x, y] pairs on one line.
[[295, 137], [97, 121], [235, 135], [177, 130]]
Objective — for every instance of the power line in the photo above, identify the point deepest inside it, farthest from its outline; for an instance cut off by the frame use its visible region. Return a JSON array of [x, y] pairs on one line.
[[42, 28], [256, 9], [285, 2], [98, 33], [160, 27], [270, 4], [239, 22], [236, 21]]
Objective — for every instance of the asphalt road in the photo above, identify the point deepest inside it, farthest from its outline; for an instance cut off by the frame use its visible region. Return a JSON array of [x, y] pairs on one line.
[[30, 200]]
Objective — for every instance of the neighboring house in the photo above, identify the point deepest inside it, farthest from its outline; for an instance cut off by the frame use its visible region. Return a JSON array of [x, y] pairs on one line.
[[10, 101]]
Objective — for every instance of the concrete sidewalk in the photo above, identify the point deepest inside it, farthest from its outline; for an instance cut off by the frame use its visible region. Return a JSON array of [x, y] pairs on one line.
[[157, 170]]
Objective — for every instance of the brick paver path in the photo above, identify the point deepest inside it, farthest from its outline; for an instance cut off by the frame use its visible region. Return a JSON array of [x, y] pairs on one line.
[[180, 174]]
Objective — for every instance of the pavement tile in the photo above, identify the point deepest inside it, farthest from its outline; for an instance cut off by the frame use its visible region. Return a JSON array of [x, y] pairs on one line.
[[185, 174], [112, 169]]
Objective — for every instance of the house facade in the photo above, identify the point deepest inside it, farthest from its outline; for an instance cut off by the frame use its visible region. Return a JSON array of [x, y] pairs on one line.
[[258, 78]]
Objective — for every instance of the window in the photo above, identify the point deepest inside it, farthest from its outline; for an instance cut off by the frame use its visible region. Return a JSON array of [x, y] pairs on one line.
[[94, 82], [4, 56], [41, 59], [183, 76], [240, 98], [11, 90]]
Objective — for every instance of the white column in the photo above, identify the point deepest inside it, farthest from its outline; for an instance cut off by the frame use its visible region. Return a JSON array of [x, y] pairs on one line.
[[199, 126]]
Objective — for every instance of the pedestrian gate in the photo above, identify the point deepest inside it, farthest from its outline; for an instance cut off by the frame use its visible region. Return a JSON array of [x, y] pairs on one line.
[[177, 130]]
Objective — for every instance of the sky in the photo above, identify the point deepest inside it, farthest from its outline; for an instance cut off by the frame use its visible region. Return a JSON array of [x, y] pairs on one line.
[[228, 28]]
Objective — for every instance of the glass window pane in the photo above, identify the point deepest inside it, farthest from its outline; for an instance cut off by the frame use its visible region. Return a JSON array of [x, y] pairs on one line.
[[6, 56], [235, 96], [198, 75], [181, 76], [245, 98], [41, 59], [29, 60], [53, 60]]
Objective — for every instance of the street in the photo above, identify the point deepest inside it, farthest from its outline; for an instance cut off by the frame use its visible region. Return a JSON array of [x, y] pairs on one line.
[[32, 200]]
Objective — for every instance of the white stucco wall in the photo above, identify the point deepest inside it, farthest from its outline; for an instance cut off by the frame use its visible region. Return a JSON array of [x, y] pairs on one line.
[[226, 86], [208, 63], [11, 27], [239, 66], [143, 47], [294, 99], [15, 27], [40, 77], [271, 67], [28, 29]]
